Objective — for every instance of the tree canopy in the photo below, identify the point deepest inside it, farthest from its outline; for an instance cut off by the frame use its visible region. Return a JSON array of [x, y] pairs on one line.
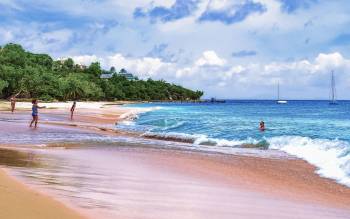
[[39, 76]]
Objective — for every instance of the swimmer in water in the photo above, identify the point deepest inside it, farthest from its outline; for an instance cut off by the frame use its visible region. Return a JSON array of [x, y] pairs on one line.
[[262, 126]]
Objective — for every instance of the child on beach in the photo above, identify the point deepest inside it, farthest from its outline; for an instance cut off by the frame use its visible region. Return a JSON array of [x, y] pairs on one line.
[[72, 110], [35, 113]]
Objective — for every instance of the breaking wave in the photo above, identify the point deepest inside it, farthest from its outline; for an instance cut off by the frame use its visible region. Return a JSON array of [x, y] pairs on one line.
[[134, 113], [331, 157]]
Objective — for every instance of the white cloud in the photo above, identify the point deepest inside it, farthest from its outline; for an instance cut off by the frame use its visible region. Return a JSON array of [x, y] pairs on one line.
[[219, 4], [145, 67], [85, 59], [333, 60], [299, 79], [57, 36], [5, 36], [11, 4], [210, 58]]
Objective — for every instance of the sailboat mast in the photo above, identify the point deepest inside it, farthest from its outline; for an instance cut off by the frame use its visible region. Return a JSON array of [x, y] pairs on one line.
[[333, 91], [332, 81]]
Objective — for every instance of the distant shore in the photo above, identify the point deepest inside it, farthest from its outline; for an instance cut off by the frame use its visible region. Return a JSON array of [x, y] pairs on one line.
[[302, 192]]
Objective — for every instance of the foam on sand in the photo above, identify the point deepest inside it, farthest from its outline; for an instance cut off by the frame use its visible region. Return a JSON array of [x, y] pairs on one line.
[[331, 157]]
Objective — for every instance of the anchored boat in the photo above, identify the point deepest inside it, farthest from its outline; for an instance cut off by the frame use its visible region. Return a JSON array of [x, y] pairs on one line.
[[279, 101]]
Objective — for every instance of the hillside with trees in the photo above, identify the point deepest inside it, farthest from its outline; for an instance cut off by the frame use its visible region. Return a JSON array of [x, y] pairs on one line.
[[39, 76]]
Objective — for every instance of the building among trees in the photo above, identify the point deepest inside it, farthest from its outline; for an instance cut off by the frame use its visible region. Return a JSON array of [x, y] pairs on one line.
[[124, 73]]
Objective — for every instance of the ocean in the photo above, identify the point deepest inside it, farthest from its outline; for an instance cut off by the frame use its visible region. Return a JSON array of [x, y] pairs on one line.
[[311, 130]]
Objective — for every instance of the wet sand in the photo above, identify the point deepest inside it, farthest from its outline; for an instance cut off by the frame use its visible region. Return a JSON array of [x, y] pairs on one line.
[[182, 184]]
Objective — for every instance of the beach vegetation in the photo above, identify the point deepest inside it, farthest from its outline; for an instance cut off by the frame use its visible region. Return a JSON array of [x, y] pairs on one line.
[[40, 76]]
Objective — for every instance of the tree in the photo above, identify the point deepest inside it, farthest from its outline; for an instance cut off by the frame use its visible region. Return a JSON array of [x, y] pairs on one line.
[[95, 69], [38, 76], [75, 87], [3, 84], [38, 83], [69, 63], [13, 54], [112, 70]]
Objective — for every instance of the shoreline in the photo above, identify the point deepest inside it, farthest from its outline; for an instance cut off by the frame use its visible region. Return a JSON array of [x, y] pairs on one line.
[[294, 180]]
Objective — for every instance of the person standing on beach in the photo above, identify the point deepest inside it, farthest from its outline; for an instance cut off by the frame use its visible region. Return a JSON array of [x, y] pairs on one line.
[[35, 113], [72, 110], [13, 102]]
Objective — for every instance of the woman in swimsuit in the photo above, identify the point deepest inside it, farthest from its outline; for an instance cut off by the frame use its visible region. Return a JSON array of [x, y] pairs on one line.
[[72, 110], [35, 113], [13, 101], [262, 126]]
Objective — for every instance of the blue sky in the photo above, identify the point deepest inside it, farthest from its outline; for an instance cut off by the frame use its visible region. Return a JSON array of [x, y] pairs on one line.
[[228, 48]]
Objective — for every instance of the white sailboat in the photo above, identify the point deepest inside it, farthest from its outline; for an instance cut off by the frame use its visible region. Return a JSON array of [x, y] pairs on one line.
[[279, 101], [333, 94]]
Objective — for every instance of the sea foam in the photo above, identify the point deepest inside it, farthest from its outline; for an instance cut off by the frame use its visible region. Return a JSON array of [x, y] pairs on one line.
[[331, 157], [133, 114]]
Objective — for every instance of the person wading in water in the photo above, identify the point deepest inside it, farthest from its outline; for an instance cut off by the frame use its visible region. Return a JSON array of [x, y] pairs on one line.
[[262, 126], [35, 113]]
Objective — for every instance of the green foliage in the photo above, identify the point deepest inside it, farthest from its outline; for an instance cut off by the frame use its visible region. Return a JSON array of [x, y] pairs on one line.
[[3, 84], [76, 86], [94, 69], [69, 63], [112, 70], [13, 55], [37, 82], [38, 76]]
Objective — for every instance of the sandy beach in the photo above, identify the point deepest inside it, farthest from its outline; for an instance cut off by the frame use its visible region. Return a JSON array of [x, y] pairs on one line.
[[169, 183], [17, 201]]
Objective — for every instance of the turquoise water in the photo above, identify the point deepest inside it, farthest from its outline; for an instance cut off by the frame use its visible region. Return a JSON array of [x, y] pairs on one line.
[[311, 130]]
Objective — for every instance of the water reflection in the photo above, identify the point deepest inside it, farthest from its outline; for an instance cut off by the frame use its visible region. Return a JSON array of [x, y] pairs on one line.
[[13, 158]]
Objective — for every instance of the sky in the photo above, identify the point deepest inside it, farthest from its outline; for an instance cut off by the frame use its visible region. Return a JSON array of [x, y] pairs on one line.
[[237, 49]]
